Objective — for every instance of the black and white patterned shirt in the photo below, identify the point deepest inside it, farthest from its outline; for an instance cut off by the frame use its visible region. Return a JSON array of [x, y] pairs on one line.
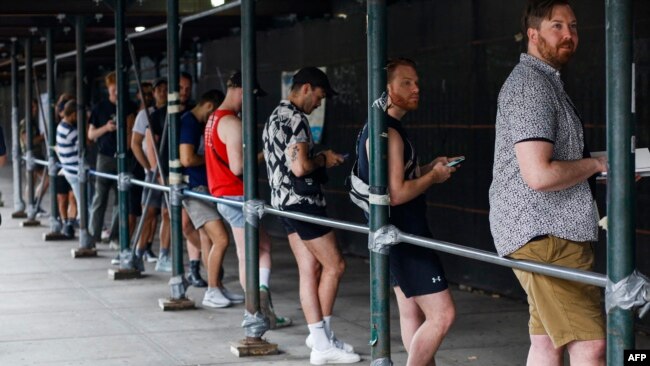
[[533, 105], [286, 126]]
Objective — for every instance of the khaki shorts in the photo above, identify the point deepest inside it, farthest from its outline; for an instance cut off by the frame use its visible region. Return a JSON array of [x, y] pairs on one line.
[[564, 310]]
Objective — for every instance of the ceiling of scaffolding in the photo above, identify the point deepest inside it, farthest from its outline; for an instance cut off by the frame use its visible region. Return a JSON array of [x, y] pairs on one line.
[[19, 20]]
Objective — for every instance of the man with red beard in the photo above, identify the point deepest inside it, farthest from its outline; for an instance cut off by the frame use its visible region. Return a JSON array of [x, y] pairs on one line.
[[426, 309], [541, 204]]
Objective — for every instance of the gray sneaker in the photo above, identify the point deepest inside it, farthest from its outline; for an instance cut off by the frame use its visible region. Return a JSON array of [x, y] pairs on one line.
[[233, 297], [214, 298], [164, 264]]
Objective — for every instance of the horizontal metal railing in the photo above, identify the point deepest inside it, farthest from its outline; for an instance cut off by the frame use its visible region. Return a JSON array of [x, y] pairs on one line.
[[592, 278]]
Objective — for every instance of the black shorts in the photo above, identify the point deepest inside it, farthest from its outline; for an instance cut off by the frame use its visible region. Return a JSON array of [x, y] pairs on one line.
[[62, 185], [306, 230], [416, 270]]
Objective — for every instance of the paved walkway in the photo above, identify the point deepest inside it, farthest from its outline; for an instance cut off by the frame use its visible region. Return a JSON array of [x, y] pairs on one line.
[[55, 310]]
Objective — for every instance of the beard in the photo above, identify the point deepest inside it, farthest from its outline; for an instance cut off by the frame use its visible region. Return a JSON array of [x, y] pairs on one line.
[[557, 56], [404, 103]]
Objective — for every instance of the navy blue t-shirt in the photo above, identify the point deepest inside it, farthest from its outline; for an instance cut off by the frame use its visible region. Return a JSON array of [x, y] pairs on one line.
[[3, 147], [192, 133], [103, 112]]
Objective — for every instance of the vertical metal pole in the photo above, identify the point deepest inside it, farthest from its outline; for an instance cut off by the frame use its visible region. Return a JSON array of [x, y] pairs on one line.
[[378, 132], [248, 60], [122, 98], [55, 224], [173, 110], [31, 202], [85, 240], [620, 188], [19, 204]]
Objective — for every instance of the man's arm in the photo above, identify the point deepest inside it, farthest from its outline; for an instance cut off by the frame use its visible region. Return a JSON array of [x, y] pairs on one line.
[[3, 159], [401, 190], [230, 132], [151, 149], [189, 157], [96, 132], [542, 173], [138, 152], [301, 164]]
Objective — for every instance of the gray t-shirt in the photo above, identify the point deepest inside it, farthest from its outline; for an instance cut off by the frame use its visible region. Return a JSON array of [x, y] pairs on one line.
[[533, 105], [286, 126]]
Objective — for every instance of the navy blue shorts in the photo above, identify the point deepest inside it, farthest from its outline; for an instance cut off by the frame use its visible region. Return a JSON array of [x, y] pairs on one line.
[[416, 270], [305, 230]]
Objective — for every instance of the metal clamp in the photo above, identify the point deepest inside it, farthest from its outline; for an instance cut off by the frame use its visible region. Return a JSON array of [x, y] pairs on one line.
[[178, 287], [52, 169], [384, 361], [631, 292], [124, 182], [253, 211], [82, 173], [29, 160], [176, 194], [255, 325], [381, 240]]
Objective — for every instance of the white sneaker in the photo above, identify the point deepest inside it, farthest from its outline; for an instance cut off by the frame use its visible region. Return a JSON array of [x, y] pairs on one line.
[[332, 355], [214, 299], [309, 342], [233, 297], [164, 264]]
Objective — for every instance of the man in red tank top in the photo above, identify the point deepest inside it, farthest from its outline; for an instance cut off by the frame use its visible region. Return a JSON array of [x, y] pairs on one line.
[[225, 166]]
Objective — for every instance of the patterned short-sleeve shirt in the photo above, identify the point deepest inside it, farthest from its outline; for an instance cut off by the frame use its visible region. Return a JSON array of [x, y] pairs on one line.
[[533, 105], [286, 126]]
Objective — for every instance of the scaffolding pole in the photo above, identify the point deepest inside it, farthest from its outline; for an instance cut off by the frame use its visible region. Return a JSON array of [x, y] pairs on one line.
[[378, 135], [19, 204], [620, 155]]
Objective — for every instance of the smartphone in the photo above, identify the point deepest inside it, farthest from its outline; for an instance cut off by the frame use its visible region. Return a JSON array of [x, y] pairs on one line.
[[456, 161], [345, 156]]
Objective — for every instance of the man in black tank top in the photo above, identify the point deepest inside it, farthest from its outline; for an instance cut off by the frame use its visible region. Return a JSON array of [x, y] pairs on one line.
[[425, 304]]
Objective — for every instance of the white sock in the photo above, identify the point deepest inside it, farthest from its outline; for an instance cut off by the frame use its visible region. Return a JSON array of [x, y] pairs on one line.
[[317, 332], [265, 275], [327, 326]]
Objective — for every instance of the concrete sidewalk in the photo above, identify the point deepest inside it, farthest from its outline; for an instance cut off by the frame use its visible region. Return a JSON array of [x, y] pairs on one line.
[[55, 310]]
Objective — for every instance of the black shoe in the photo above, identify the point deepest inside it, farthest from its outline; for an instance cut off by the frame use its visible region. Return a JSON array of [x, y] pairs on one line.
[[194, 277], [68, 230]]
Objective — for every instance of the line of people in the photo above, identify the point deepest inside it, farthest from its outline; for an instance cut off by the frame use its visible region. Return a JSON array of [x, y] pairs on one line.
[[539, 157]]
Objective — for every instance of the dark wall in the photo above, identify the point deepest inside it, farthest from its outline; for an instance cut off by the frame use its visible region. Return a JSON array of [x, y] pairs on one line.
[[465, 50]]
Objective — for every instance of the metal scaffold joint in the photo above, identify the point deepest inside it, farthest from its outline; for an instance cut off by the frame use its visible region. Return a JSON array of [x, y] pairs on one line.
[[255, 325], [124, 181], [632, 292], [253, 211], [381, 240]]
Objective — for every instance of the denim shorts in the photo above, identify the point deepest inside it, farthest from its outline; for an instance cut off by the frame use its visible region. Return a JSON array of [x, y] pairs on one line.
[[233, 214]]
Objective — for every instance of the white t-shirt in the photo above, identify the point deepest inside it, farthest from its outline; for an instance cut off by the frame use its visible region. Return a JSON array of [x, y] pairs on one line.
[[141, 125]]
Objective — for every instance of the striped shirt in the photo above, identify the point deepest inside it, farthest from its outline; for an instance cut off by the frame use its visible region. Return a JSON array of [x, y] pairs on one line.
[[66, 144]]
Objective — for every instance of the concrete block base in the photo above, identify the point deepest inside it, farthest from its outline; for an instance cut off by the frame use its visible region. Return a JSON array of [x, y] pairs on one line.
[[253, 347], [123, 274], [30, 223], [176, 304], [83, 252], [19, 215], [54, 236]]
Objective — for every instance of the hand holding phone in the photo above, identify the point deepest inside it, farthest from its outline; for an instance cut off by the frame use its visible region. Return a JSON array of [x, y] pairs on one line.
[[453, 163]]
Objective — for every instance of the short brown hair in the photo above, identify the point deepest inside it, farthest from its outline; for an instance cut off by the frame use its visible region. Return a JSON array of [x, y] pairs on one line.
[[110, 78], [69, 108], [538, 10], [393, 63]]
